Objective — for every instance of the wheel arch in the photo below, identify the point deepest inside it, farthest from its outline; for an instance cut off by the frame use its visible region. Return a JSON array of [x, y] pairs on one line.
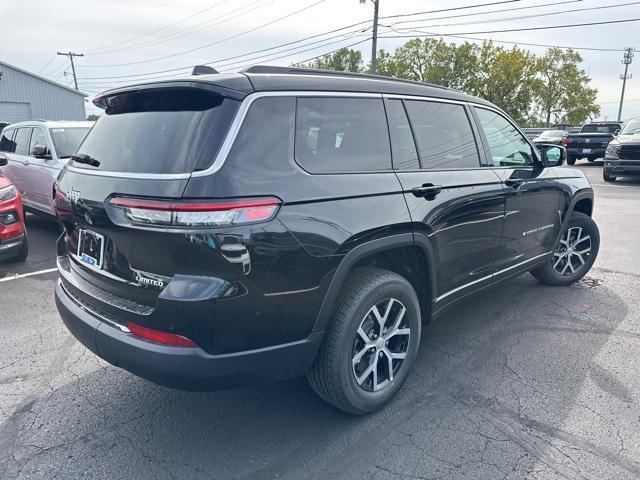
[[387, 253]]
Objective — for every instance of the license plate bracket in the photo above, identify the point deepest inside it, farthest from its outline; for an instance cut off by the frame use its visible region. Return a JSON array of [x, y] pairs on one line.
[[91, 248]]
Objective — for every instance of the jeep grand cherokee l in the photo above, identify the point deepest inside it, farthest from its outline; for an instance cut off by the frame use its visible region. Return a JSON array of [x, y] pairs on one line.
[[233, 228]]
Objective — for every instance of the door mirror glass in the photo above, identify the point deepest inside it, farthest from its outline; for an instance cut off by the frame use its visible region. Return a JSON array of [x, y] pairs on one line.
[[40, 151], [3, 160], [552, 155]]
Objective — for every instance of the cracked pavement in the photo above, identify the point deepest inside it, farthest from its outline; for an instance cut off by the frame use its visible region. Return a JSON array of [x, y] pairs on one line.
[[520, 382]]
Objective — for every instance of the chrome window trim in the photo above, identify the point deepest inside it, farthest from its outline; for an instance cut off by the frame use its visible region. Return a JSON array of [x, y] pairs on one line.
[[244, 109], [462, 287], [241, 114]]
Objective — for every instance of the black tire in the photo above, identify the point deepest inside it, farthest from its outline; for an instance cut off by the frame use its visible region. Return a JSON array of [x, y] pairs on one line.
[[548, 275], [23, 253], [571, 160], [333, 376], [606, 177]]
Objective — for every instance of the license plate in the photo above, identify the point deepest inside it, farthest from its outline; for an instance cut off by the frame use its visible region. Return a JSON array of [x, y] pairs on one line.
[[90, 248], [586, 150]]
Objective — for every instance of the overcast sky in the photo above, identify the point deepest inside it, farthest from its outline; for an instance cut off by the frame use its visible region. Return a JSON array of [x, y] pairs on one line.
[[141, 32]]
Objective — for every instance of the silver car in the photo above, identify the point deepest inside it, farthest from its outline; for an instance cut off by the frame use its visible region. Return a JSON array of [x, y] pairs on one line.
[[36, 152]]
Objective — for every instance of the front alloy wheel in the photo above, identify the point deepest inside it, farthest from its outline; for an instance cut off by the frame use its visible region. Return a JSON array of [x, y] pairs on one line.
[[573, 251], [574, 255], [380, 346]]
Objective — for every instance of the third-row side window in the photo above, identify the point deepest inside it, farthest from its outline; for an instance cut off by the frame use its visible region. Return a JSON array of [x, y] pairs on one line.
[[336, 135]]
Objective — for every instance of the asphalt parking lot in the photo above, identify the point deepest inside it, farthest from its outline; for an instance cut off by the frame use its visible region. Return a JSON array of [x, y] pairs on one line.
[[522, 381]]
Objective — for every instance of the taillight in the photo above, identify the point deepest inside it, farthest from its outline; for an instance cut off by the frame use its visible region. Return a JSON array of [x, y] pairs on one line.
[[60, 201], [565, 141], [188, 213], [158, 336]]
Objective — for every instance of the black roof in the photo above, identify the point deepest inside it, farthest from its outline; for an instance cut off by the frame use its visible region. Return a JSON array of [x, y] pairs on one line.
[[268, 79]]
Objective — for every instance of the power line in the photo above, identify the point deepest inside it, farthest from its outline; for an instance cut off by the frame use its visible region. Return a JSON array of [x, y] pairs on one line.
[[545, 45], [268, 57], [522, 17], [524, 29], [221, 40], [342, 28], [191, 30], [159, 29]]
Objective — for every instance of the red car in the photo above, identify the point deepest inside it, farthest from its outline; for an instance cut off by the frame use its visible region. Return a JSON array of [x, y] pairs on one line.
[[13, 234]]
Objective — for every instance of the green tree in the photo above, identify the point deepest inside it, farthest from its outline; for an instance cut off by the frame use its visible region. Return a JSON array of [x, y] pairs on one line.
[[343, 60], [506, 78], [431, 61], [562, 94]]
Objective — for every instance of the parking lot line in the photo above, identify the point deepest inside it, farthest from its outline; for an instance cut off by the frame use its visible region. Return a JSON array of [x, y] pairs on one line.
[[23, 275]]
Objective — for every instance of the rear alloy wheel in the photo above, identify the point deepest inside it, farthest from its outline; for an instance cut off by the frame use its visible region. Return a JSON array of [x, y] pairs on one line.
[[381, 344], [574, 254], [371, 343]]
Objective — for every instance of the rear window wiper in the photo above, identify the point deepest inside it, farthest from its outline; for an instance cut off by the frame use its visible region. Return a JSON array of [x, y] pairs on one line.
[[82, 158]]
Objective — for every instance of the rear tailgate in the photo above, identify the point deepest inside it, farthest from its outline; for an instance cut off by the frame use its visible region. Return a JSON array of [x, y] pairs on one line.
[[144, 149]]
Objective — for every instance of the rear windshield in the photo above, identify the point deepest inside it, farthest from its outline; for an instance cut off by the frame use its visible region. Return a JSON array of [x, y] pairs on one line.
[[176, 130], [594, 128], [67, 140], [552, 134]]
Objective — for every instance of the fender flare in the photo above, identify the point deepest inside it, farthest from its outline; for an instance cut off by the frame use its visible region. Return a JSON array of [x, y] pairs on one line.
[[361, 251], [582, 194]]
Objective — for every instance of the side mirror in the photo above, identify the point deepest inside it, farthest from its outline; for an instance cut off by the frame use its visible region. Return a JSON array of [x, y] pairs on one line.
[[3, 159], [552, 155], [616, 133], [40, 151]]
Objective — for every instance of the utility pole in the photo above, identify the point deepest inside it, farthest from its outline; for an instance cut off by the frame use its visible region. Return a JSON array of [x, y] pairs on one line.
[[374, 38], [73, 68], [628, 58]]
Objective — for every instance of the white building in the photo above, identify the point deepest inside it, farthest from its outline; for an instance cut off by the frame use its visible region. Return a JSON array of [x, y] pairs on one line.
[[27, 96]]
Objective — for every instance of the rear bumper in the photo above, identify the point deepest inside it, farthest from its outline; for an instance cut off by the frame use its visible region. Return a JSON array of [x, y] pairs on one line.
[[579, 152], [184, 368]]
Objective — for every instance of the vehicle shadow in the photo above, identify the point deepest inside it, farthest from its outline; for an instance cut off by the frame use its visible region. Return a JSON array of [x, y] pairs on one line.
[[496, 388]]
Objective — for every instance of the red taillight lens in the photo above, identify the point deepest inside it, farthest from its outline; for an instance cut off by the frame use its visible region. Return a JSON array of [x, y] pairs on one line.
[[196, 213], [158, 336], [565, 141]]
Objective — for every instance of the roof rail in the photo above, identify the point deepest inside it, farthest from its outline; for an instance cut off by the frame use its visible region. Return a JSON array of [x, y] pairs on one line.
[[317, 71]]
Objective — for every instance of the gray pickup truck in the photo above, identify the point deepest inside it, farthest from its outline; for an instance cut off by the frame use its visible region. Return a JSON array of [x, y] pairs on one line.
[[591, 142]]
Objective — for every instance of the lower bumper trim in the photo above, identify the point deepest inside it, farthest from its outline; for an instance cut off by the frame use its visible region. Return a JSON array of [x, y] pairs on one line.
[[186, 368]]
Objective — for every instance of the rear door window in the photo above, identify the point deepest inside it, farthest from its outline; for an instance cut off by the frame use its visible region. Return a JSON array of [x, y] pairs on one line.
[[22, 140], [335, 135], [6, 141], [443, 134], [168, 131]]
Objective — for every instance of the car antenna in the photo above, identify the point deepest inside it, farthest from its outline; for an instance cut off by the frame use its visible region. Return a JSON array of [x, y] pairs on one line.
[[203, 70]]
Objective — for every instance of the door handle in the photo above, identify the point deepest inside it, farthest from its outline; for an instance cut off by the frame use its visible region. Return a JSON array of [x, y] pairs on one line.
[[514, 182], [427, 190]]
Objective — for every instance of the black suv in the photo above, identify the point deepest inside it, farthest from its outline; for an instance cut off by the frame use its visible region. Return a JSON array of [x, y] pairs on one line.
[[234, 228]]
